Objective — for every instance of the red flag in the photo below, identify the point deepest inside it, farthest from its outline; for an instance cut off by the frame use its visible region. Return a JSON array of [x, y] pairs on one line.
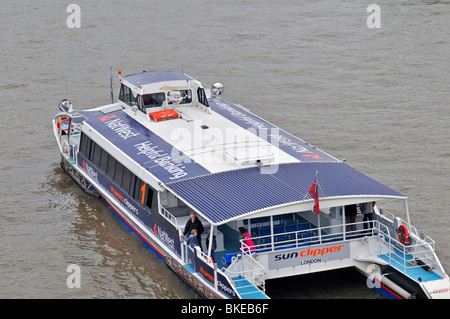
[[315, 194]]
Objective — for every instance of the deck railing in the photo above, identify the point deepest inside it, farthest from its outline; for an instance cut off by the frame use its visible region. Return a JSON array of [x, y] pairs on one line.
[[168, 216], [418, 253], [413, 230], [414, 255], [202, 264], [311, 236], [246, 266]]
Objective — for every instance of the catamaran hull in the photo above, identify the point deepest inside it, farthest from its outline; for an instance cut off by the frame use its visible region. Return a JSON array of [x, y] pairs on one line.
[[392, 284]]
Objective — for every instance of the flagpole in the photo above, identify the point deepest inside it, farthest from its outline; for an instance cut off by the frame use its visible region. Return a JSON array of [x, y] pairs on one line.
[[318, 226], [317, 194], [318, 215]]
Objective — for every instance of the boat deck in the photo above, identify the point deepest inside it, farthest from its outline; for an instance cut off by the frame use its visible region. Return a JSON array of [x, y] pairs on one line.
[[398, 260], [246, 290], [289, 232]]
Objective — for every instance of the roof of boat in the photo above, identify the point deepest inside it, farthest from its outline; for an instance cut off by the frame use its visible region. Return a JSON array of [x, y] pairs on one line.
[[221, 192], [150, 77], [230, 195]]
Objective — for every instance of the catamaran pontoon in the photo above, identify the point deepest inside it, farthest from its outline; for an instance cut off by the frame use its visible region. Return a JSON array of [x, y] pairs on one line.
[[171, 146]]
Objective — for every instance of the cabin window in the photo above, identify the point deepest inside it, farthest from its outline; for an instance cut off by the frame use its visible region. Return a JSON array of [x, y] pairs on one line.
[[202, 97], [124, 92], [149, 197], [96, 153], [154, 99], [187, 94], [132, 185], [104, 161], [91, 151], [126, 180], [118, 174], [137, 190], [126, 95], [85, 145], [111, 167]]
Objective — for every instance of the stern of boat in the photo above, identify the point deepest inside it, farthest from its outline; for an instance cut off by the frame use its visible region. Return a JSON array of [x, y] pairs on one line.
[[67, 132]]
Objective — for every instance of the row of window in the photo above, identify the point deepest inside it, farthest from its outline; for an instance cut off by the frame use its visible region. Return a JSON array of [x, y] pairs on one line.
[[149, 100], [117, 172]]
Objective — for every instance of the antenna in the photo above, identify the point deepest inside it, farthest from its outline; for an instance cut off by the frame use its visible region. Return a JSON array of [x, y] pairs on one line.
[[111, 85]]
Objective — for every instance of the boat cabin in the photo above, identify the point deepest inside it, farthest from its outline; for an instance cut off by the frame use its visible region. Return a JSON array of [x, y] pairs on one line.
[[150, 91]]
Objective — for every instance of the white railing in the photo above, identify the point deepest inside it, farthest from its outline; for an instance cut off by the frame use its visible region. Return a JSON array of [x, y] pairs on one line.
[[312, 236], [418, 253], [246, 266], [168, 216], [208, 260], [191, 256], [413, 230]]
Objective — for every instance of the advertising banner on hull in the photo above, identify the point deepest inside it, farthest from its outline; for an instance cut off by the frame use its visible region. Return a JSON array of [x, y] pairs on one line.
[[306, 256]]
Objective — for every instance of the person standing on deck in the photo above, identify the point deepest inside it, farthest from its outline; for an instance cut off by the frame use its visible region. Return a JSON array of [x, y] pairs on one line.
[[245, 235], [367, 210], [192, 240], [350, 216], [194, 223]]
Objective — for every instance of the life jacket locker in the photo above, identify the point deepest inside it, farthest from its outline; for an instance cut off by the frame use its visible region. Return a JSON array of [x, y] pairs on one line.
[[163, 115]]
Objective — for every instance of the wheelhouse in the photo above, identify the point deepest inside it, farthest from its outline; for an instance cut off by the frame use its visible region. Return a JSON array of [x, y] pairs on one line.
[[147, 92]]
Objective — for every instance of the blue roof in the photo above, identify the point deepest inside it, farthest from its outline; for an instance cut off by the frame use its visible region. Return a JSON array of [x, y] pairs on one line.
[[224, 196], [155, 76]]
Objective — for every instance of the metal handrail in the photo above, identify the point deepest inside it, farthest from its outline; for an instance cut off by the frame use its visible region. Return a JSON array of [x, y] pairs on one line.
[[248, 268], [168, 216], [406, 256], [423, 248], [208, 260], [411, 228], [310, 235]]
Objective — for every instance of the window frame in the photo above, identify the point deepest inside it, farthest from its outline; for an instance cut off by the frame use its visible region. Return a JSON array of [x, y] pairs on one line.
[[146, 106], [119, 169], [126, 180], [104, 158]]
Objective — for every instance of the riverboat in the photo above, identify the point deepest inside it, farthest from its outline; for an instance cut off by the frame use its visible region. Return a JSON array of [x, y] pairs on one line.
[[271, 205]]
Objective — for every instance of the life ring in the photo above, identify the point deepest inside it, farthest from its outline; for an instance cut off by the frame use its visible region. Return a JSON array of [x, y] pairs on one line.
[[58, 123], [403, 234]]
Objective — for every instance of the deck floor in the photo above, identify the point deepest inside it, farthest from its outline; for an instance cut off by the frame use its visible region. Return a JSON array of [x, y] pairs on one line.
[[246, 290], [397, 261]]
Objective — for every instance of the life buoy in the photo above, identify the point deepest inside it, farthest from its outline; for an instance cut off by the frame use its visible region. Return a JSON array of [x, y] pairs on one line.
[[403, 234], [58, 123]]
